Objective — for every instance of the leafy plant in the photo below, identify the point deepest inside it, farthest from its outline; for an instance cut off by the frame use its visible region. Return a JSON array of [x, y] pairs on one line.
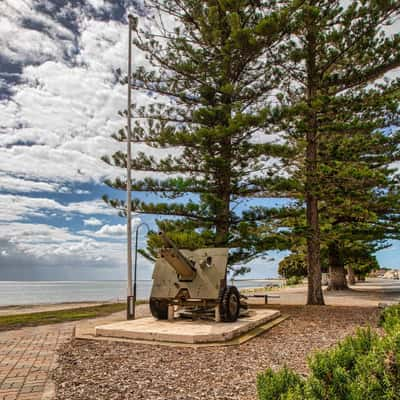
[[294, 280], [363, 366], [294, 265], [276, 385], [390, 318]]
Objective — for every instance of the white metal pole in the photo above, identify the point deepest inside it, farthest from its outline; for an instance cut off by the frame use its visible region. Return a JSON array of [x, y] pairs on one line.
[[130, 300]]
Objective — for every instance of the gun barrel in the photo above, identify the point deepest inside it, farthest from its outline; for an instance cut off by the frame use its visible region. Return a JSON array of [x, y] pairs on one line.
[[176, 259]]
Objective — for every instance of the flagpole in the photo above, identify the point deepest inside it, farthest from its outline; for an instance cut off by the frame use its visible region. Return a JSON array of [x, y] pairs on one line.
[[130, 309]]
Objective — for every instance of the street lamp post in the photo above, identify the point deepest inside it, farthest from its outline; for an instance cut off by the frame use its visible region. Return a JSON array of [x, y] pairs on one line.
[[130, 309], [135, 267]]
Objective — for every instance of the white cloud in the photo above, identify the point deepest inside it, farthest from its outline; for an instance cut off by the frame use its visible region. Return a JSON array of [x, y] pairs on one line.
[[57, 164], [65, 112], [112, 230], [18, 184], [59, 120], [46, 241], [4, 253], [80, 191], [100, 4], [15, 208], [92, 222], [88, 207], [26, 45]]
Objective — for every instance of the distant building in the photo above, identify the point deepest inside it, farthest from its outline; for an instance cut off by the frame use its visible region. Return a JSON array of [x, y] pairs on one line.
[[391, 274], [379, 273]]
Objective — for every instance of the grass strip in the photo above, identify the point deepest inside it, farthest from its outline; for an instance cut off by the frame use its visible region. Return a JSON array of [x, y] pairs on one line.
[[8, 322]]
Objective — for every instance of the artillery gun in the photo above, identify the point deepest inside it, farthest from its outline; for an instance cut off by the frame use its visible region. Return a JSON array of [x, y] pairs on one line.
[[195, 282]]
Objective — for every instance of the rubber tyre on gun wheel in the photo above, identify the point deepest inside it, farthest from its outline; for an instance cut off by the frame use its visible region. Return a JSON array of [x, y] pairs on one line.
[[230, 304], [159, 308]]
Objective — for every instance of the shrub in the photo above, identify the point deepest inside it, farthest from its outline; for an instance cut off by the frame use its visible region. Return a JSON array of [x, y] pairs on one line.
[[293, 265], [276, 385], [390, 318], [365, 366], [294, 280]]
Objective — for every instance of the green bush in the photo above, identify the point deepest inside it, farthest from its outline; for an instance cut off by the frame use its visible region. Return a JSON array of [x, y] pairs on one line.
[[390, 318], [365, 366], [294, 280], [293, 265], [276, 385]]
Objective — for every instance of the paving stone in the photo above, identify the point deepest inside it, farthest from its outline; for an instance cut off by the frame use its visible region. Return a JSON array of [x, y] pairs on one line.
[[27, 358], [10, 396], [8, 392], [30, 396], [17, 373]]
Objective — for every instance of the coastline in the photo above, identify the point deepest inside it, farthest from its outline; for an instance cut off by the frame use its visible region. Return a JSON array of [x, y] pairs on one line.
[[370, 293], [42, 307]]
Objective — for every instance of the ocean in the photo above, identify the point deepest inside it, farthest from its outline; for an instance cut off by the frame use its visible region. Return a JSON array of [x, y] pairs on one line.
[[45, 292], [25, 292]]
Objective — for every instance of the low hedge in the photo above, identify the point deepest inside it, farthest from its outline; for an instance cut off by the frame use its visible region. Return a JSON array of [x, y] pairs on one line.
[[294, 280], [365, 366], [390, 318]]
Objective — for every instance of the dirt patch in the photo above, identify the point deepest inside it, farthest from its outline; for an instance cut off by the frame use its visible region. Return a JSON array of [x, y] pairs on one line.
[[109, 370]]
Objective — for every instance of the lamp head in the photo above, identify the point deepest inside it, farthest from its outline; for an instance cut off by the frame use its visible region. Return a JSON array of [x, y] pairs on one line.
[[133, 22]]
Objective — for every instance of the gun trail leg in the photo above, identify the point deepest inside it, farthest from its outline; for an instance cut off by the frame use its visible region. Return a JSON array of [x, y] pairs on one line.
[[217, 314], [171, 312]]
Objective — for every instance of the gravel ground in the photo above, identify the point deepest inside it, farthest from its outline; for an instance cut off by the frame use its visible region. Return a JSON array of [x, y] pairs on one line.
[[114, 370]]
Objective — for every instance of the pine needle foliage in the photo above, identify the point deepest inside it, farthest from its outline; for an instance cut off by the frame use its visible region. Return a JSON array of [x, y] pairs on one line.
[[206, 128], [331, 110]]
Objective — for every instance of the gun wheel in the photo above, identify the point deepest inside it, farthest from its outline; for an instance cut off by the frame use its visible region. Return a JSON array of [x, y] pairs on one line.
[[230, 304], [159, 308]]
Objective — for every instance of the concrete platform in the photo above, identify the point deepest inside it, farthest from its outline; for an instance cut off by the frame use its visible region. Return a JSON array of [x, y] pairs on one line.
[[186, 331]]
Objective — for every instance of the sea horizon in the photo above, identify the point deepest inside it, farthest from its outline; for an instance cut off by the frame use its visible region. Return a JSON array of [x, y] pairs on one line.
[[34, 292]]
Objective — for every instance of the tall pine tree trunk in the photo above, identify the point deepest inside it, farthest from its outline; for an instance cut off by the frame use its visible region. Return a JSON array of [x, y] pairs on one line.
[[337, 273], [223, 203], [222, 224], [351, 276], [315, 295]]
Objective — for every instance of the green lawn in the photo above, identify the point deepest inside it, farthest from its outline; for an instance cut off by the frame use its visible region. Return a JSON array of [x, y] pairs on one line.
[[52, 317]]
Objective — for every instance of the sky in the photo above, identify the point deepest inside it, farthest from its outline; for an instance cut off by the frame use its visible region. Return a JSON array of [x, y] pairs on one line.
[[59, 103]]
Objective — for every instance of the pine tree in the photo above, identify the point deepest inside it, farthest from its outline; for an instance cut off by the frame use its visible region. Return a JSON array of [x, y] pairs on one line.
[[360, 198], [211, 84], [360, 205], [332, 65], [360, 259]]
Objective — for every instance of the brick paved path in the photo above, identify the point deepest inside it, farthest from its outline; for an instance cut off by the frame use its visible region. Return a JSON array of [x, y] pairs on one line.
[[26, 358], [28, 355]]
